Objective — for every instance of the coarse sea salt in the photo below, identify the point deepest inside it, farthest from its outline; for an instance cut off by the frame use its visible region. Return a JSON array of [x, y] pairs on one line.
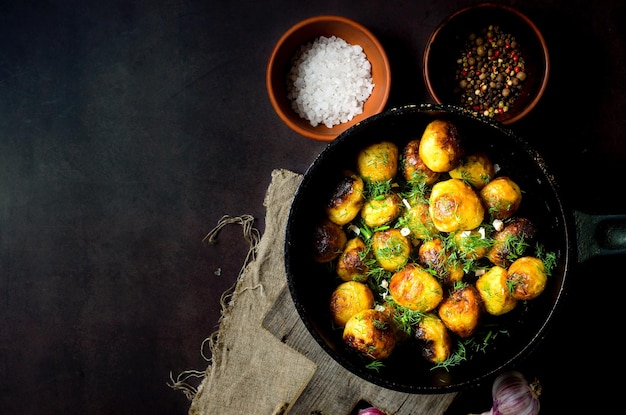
[[329, 81]]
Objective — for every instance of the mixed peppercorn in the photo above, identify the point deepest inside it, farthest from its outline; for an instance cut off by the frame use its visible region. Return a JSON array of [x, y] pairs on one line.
[[491, 72]]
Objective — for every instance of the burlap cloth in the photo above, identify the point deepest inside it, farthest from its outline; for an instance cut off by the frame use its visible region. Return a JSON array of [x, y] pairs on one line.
[[252, 371]]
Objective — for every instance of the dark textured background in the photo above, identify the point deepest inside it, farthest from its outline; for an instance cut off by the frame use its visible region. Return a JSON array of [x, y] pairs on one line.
[[128, 128]]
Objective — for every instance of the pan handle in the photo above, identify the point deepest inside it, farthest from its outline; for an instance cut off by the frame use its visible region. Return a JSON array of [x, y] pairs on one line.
[[599, 235]]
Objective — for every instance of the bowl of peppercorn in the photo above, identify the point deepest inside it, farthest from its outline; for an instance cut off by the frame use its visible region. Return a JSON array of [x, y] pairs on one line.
[[489, 59]]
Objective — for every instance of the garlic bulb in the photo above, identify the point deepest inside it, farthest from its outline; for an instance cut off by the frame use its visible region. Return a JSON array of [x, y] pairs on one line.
[[371, 411], [513, 395]]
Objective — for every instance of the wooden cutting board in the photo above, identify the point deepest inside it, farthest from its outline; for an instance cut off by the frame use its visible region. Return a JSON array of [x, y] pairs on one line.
[[333, 390]]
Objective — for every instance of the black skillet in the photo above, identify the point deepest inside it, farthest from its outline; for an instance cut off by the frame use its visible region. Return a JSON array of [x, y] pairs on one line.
[[311, 284]]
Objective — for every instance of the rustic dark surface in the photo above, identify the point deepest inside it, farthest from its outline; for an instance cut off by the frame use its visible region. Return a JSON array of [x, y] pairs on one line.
[[128, 128]]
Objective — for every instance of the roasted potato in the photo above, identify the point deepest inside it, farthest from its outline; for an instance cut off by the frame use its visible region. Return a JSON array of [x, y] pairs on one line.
[[502, 197], [460, 311], [474, 244], [417, 219], [527, 277], [391, 249], [346, 201], [432, 254], [381, 210], [370, 333], [475, 169], [329, 240], [437, 343], [378, 162], [413, 167], [415, 288], [511, 242], [454, 205], [494, 291], [440, 147], [348, 299], [352, 263]]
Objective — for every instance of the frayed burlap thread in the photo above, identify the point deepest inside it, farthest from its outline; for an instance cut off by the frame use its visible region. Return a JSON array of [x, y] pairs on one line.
[[186, 380], [250, 370]]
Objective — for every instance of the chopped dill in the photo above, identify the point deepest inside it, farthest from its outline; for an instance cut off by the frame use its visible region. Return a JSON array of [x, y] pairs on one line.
[[375, 190], [459, 355], [375, 365], [548, 258], [477, 345], [380, 324], [404, 318], [416, 191], [515, 246]]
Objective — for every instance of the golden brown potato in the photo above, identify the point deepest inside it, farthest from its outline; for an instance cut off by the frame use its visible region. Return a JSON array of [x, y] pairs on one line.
[[329, 240], [413, 167], [475, 169], [502, 197], [434, 334], [381, 210], [351, 265], [346, 201], [454, 206], [417, 219], [474, 244], [493, 289], [369, 333], [432, 254], [348, 299], [511, 242], [440, 146], [461, 311], [527, 277], [415, 288], [391, 249], [378, 162]]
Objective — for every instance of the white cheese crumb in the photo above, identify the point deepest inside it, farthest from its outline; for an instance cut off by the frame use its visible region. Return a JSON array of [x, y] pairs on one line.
[[354, 229], [498, 224]]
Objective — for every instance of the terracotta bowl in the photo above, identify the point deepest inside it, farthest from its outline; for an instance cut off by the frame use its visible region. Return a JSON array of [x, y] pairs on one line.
[[447, 44], [306, 31]]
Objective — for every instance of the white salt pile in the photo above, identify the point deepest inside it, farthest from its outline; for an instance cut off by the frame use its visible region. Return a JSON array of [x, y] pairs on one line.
[[329, 81]]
